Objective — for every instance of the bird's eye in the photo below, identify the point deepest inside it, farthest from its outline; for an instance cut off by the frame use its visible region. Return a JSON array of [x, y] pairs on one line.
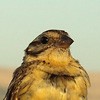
[[44, 40]]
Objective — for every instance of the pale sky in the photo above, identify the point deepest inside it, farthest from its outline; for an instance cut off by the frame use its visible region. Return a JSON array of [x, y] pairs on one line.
[[22, 20]]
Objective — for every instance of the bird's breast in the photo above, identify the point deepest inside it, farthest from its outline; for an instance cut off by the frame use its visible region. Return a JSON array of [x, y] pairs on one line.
[[46, 90], [43, 86]]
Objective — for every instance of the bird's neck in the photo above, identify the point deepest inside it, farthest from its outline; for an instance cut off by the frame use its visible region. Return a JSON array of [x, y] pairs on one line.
[[55, 57], [39, 74]]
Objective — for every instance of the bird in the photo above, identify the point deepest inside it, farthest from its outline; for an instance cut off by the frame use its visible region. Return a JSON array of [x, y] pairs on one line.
[[49, 71]]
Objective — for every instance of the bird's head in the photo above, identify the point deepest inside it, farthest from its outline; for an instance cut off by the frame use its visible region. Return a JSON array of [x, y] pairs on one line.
[[51, 46]]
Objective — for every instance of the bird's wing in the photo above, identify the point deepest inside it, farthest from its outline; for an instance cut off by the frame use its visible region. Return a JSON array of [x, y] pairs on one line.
[[18, 83]]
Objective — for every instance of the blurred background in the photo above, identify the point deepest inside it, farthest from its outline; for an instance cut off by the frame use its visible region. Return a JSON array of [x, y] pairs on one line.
[[22, 20]]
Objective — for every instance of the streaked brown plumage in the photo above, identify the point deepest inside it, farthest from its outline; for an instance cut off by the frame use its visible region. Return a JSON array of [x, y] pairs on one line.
[[48, 71]]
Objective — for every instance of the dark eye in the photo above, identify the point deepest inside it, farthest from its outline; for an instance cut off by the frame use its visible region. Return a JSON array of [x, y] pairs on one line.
[[44, 40]]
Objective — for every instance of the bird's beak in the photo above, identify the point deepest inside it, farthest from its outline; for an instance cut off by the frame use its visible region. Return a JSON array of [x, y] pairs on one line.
[[65, 42]]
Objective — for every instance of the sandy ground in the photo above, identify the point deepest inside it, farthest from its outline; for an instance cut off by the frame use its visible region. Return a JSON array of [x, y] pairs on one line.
[[93, 93]]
